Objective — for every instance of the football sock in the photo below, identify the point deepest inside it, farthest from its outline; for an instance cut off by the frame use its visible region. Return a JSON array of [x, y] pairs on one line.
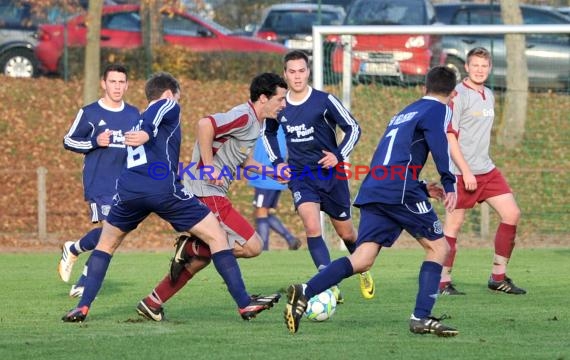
[[98, 265], [196, 247], [499, 268], [263, 231], [228, 268], [88, 242], [430, 274], [319, 251], [81, 280], [505, 240], [350, 246], [165, 290], [330, 275], [279, 228]]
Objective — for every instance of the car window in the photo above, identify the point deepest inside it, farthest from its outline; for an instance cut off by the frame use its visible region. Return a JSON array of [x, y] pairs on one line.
[[387, 12], [532, 16], [11, 14], [477, 17], [288, 21], [124, 21], [173, 24]]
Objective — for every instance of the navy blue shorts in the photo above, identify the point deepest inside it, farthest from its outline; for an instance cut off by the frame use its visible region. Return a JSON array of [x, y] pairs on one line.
[[100, 208], [181, 213], [332, 193], [266, 198], [383, 223]]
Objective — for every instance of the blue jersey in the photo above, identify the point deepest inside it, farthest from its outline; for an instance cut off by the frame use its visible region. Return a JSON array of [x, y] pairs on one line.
[[260, 155], [310, 127], [402, 152], [152, 168], [101, 165]]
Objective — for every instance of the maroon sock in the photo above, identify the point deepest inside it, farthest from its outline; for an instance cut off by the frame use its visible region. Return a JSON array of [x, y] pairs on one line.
[[452, 251], [505, 240], [196, 247], [165, 289]]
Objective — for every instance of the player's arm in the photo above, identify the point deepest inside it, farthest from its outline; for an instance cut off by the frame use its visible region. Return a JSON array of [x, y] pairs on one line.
[[252, 165], [457, 156], [270, 141], [206, 134], [437, 142], [81, 137], [343, 118]]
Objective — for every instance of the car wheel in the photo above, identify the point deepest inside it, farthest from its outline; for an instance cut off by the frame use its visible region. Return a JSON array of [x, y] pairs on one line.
[[458, 68], [19, 63]]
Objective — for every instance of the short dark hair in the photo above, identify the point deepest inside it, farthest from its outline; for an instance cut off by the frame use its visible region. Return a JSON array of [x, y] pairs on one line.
[[479, 52], [440, 80], [295, 55], [115, 67], [265, 84], [158, 83]]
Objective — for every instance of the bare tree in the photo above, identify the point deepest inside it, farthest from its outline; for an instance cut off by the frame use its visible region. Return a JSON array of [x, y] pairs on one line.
[[92, 52], [516, 97]]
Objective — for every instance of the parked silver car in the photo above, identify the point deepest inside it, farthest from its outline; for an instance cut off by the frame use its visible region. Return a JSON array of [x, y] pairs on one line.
[[548, 55]]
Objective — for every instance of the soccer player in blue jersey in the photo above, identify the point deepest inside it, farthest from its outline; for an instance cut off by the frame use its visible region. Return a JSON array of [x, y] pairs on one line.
[[309, 121], [266, 198], [392, 199], [98, 133], [156, 140]]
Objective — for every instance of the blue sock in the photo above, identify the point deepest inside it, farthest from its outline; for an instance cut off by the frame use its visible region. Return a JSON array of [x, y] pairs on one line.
[[89, 241], [331, 275], [350, 246], [430, 274], [279, 228], [319, 251], [98, 265], [263, 231], [83, 277], [228, 268]]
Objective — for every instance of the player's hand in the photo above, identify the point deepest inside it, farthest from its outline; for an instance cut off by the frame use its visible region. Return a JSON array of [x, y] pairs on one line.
[[215, 177], [470, 182], [329, 160], [104, 139], [283, 173], [450, 201], [136, 138], [435, 191]]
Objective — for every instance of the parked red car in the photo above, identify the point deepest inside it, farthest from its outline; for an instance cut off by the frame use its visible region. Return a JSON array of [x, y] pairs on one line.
[[405, 58], [121, 28]]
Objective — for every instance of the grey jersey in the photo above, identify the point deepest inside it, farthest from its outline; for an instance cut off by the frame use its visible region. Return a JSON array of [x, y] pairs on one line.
[[235, 134], [472, 120]]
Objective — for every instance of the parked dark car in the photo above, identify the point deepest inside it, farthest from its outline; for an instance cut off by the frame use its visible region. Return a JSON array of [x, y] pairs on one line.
[[121, 28], [548, 55], [292, 24], [404, 58]]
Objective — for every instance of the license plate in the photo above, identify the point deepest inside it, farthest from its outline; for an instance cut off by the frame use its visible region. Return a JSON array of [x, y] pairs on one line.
[[299, 44], [386, 69]]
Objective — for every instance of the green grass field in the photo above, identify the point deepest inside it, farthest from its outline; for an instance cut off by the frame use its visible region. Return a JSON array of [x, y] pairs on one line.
[[202, 322]]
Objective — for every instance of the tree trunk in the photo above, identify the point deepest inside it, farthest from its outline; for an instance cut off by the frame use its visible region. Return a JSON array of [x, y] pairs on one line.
[[151, 23], [514, 115], [92, 52]]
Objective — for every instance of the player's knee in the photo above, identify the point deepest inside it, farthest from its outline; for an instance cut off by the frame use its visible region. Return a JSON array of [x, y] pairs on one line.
[[252, 248], [512, 217]]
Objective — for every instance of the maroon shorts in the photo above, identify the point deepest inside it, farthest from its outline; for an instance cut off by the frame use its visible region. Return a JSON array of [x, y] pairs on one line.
[[238, 228], [488, 185]]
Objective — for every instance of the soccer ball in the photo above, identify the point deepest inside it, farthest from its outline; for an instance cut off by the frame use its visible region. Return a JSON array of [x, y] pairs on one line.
[[321, 307]]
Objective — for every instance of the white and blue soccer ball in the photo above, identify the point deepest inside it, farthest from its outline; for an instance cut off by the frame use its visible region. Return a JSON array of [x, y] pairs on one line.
[[321, 307]]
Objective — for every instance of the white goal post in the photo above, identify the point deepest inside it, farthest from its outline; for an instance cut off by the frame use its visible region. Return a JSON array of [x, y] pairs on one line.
[[319, 32]]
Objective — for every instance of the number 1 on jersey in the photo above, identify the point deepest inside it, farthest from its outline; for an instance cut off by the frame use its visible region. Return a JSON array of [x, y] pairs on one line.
[[392, 136]]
